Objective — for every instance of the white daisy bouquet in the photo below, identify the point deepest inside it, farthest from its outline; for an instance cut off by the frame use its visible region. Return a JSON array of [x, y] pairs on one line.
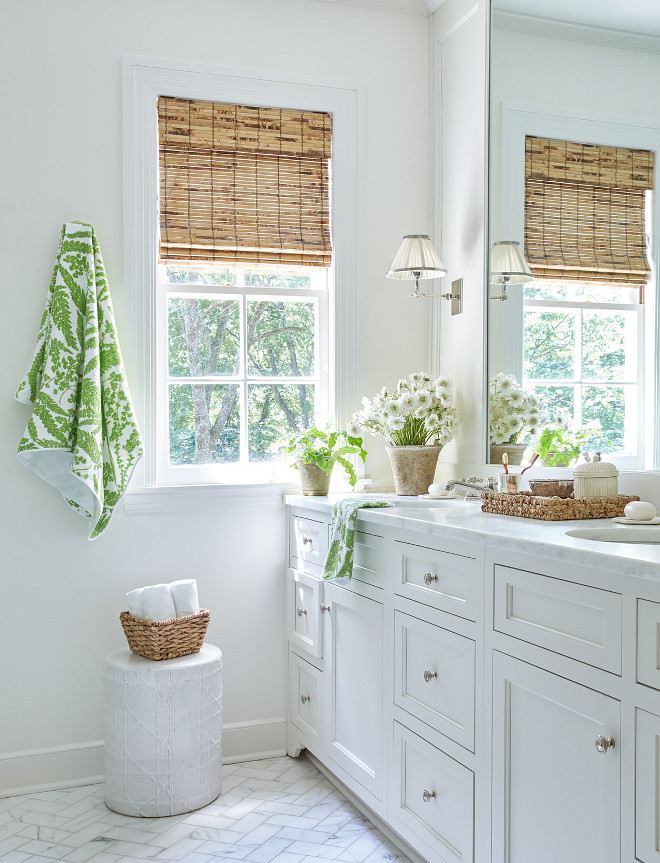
[[419, 411], [513, 410]]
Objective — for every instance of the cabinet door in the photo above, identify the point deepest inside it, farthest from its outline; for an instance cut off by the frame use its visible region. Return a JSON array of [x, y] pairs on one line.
[[353, 684], [555, 796], [647, 788]]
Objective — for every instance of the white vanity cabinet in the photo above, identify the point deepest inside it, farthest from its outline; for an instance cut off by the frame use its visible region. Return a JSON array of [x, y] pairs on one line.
[[492, 699], [556, 776]]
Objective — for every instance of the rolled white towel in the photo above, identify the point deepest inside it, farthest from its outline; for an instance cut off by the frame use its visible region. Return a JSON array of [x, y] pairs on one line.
[[135, 603], [185, 597], [158, 603]]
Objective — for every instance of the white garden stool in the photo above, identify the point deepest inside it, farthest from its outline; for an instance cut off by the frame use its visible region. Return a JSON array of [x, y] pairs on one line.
[[163, 731]]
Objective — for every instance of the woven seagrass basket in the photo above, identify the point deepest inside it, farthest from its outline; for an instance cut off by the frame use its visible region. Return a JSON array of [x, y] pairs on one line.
[[165, 639]]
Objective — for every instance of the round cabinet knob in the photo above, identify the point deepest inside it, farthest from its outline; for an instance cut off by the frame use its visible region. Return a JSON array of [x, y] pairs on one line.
[[324, 608], [301, 611], [429, 579], [305, 698], [430, 675], [604, 743], [427, 796], [307, 540]]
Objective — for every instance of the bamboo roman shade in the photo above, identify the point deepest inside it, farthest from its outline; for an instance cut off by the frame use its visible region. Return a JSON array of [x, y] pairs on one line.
[[243, 185], [584, 211]]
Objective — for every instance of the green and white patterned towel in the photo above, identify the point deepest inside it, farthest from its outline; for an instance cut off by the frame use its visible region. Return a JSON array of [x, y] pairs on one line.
[[82, 437], [339, 562]]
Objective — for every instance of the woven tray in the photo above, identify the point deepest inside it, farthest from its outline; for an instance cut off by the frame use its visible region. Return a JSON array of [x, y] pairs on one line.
[[524, 504], [165, 639]]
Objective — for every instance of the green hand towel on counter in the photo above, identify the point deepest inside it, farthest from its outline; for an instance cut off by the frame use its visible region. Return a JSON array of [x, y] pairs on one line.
[[82, 437], [339, 562]]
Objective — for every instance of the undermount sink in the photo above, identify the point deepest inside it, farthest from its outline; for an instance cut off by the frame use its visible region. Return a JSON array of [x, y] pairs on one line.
[[644, 534]]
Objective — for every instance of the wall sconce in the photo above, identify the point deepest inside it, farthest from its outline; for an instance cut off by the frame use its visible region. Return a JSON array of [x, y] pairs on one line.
[[508, 266], [417, 259]]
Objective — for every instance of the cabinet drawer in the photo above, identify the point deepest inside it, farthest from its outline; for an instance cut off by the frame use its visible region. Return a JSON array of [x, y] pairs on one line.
[[438, 578], [366, 553], [305, 629], [308, 544], [648, 643], [435, 677], [572, 619], [305, 697], [432, 799]]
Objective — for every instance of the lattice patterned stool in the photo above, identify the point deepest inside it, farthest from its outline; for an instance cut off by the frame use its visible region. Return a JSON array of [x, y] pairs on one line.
[[163, 729]]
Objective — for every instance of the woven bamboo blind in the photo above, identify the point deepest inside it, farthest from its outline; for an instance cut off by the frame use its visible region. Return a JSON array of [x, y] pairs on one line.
[[243, 185], [584, 211]]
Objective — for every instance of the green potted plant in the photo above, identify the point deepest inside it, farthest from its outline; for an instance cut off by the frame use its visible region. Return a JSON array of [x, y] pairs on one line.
[[315, 453], [559, 445]]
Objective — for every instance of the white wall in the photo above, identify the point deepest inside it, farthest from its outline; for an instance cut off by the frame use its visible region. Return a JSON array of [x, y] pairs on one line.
[[61, 160]]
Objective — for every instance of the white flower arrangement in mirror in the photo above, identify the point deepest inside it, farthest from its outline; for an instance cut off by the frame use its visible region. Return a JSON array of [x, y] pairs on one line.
[[513, 410], [418, 412]]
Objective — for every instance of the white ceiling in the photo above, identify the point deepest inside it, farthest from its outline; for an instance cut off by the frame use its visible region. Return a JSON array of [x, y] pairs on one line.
[[634, 16]]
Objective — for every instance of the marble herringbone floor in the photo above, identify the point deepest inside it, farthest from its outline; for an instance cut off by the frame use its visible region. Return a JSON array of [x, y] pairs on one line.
[[280, 810]]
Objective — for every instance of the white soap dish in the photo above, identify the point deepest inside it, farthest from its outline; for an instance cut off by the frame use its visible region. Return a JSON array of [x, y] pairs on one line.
[[450, 495], [621, 519]]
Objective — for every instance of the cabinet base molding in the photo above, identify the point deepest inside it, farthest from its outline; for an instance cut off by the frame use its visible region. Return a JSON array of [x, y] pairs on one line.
[[376, 820]]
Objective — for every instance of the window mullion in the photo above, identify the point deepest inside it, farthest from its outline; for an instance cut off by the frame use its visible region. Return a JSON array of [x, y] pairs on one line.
[[240, 279]]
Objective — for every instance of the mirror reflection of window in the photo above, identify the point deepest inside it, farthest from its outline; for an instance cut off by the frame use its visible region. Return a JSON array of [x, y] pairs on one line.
[[583, 315]]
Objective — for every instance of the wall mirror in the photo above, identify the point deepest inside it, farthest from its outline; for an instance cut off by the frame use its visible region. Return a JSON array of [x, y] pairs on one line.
[[573, 172]]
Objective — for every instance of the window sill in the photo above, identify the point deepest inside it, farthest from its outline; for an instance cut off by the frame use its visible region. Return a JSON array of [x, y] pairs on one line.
[[204, 498]]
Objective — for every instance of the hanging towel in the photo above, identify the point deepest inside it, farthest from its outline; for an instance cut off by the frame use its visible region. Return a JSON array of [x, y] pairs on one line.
[[82, 437], [339, 561]]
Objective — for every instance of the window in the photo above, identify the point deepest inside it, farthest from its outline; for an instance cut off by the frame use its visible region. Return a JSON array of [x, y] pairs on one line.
[[586, 238], [246, 363], [243, 286], [145, 347], [583, 350]]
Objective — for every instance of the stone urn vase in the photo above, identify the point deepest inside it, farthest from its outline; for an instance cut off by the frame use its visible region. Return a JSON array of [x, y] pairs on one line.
[[515, 451], [313, 480], [413, 468]]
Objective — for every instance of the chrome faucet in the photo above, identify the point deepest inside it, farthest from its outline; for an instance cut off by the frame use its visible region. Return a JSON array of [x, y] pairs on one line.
[[472, 483]]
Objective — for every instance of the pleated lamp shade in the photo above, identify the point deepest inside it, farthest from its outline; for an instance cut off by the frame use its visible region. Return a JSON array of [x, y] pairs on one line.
[[507, 264], [416, 259]]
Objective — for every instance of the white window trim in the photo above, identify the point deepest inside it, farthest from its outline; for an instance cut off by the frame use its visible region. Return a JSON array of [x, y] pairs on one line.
[[517, 121], [143, 81]]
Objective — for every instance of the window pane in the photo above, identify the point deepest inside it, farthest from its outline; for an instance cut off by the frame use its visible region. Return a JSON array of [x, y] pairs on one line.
[[579, 292], [558, 400], [606, 339], [549, 344], [199, 274], [278, 279], [204, 423], [281, 337], [274, 411], [607, 405], [203, 336]]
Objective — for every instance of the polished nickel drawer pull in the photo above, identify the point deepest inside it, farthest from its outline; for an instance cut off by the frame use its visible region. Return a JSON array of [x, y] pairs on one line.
[[429, 579], [307, 540], [430, 675], [301, 611], [324, 608], [427, 796], [305, 698]]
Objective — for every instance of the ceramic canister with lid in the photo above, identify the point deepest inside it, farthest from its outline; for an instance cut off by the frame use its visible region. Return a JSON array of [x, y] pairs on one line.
[[596, 479]]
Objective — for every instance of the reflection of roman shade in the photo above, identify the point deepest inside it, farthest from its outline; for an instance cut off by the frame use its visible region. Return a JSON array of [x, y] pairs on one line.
[[584, 211], [243, 185]]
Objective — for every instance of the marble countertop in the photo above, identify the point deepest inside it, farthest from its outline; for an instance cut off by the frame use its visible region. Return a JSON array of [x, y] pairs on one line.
[[464, 520]]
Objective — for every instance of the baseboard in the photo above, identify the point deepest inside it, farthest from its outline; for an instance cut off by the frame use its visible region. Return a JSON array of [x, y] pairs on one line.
[[82, 764]]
